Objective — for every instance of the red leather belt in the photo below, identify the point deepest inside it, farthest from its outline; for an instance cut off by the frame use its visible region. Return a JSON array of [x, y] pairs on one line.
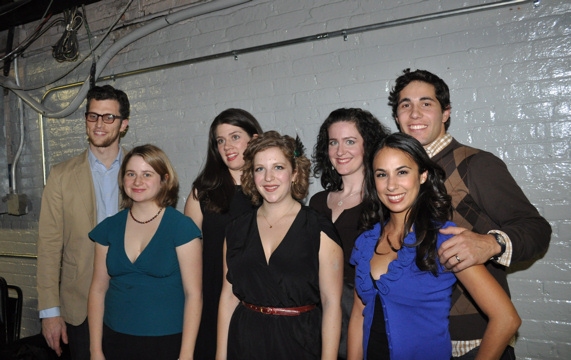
[[291, 311]]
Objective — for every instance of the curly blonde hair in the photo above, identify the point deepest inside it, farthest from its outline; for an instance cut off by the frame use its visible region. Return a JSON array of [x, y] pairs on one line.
[[293, 151]]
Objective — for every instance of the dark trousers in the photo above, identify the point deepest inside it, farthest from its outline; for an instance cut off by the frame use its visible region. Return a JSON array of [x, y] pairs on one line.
[[509, 354], [119, 346], [78, 337]]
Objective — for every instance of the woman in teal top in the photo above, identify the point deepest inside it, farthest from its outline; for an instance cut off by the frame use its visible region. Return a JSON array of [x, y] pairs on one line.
[[146, 297]]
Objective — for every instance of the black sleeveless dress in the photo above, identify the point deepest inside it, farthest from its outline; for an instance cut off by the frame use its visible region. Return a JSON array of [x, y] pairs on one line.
[[213, 233], [289, 279]]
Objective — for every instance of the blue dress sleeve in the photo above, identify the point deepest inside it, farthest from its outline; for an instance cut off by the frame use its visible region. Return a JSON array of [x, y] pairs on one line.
[[363, 244], [442, 237], [185, 230], [356, 252], [100, 233]]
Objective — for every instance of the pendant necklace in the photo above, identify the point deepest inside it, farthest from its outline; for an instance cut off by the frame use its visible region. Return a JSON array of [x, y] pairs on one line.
[[351, 194], [281, 217], [145, 222]]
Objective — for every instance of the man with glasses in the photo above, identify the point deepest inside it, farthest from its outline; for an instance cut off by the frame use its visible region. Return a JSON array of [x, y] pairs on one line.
[[80, 193]]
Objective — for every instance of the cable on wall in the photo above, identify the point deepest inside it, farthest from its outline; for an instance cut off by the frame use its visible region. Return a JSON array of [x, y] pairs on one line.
[[14, 189], [67, 47], [137, 34]]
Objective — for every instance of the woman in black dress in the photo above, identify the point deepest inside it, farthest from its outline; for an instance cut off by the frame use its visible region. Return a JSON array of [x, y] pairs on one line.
[[215, 200], [341, 157], [284, 264]]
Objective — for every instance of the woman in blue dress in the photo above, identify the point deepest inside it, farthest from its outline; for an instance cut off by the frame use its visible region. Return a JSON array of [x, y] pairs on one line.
[[402, 292], [146, 297]]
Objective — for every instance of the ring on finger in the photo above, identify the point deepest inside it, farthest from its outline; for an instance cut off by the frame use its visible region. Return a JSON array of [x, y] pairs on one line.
[[458, 259]]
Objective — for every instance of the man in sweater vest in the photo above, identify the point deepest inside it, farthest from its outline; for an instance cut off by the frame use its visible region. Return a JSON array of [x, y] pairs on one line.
[[497, 225]]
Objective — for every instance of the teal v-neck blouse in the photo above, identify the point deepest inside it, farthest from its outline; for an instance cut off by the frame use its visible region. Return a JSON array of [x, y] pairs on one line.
[[145, 298]]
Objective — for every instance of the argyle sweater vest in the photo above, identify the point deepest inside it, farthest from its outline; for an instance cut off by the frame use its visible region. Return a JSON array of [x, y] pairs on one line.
[[467, 322]]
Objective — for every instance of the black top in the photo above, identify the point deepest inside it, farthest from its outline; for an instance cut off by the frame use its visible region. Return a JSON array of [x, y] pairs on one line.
[[347, 225], [378, 346], [289, 279], [213, 233]]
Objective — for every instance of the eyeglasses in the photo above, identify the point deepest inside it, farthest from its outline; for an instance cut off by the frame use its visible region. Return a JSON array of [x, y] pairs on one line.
[[107, 118]]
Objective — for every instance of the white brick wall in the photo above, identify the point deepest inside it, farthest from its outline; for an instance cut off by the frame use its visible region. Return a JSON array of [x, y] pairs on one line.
[[508, 70]]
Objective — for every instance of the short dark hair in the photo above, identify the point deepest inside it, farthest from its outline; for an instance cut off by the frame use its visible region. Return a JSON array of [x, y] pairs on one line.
[[108, 92], [440, 88], [214, 186], [430, 210], [370, 129], [293, 152], [154, 156]]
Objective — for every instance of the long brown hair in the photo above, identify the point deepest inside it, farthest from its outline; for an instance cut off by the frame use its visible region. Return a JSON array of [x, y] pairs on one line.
[[214, 186]]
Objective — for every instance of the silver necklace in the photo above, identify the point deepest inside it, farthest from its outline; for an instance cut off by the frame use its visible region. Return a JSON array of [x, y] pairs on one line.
[[340, 202]]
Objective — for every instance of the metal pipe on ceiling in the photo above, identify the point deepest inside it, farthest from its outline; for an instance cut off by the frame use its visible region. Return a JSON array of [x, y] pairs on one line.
[[304, 39]]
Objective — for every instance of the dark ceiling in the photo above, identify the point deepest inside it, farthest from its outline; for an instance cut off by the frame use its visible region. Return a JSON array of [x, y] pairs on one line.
[[17, 12]]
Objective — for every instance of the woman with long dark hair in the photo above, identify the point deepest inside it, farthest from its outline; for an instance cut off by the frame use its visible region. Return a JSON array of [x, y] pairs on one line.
[[402, 292], [215, 200]]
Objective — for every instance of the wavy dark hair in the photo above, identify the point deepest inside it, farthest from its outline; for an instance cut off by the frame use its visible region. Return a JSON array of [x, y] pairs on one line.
[[214, 186], [154, 156], [440, 88], [108, 92], [370, 129], [430, 210], [293, 151]]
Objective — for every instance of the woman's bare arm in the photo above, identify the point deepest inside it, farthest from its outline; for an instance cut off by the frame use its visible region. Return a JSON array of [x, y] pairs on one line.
[[190, 262], [503, 320], [226, 307], [330, 287]]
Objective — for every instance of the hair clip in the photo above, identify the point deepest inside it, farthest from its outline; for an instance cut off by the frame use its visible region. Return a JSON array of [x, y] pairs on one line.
[[299, 149]]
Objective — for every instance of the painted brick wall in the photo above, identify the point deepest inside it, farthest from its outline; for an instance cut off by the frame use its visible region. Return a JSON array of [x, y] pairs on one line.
[[508, 70]]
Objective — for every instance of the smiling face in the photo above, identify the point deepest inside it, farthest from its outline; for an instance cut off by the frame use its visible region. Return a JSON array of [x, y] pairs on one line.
[[141, 182], [273, 175], [346, 148], [397, 180], [232, 141], [103, 135], [419, 113]]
